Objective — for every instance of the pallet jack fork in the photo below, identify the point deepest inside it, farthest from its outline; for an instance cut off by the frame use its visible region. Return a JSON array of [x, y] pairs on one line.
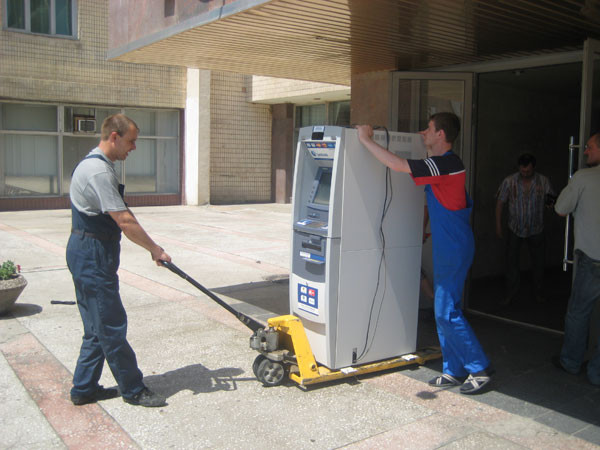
[[284, 348]]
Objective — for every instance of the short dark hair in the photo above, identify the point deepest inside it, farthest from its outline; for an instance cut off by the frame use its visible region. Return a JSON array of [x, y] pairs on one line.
[[449, 123], [525, 159], [117, 122]]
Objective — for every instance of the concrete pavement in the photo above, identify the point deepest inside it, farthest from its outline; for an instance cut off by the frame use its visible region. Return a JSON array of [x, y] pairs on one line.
[[197, 354]]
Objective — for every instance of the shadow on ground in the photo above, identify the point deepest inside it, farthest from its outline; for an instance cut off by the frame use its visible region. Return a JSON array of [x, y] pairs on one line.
[[21, 310], [526, 383], [197, 379]]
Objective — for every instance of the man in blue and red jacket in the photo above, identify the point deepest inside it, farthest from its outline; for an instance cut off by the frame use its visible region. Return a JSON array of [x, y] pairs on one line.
[[449, 209]]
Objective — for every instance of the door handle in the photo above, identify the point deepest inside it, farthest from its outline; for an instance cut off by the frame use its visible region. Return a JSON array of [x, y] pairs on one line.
[[566, 260]]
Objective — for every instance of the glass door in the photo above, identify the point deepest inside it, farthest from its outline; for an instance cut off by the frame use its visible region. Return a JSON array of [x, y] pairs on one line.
[[418, 95], [415, 97], [590, 94]]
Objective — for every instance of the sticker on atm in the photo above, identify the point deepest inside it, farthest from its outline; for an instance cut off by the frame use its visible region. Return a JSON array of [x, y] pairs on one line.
[[308, 299]]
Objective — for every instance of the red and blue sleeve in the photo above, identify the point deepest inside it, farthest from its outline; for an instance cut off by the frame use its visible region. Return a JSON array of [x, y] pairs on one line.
[[446, 175]]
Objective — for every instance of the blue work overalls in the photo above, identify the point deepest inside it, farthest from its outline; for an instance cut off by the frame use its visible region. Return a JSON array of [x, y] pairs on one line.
[[453, 250], [93, 254]]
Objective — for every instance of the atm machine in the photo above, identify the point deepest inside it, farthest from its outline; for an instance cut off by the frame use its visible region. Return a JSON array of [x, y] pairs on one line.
[[355, 274]]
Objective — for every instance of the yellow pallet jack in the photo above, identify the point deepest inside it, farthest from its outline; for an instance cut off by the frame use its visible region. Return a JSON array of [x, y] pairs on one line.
[[284, 348]]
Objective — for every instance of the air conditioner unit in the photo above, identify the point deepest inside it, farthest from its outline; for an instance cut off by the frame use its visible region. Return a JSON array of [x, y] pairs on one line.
[[85, 125]]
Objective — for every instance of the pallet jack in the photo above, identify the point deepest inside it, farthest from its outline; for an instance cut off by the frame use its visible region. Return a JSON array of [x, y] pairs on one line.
[[284, 348]]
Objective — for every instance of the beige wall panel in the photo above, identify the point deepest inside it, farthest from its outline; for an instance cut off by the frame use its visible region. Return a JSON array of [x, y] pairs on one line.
[[265, 89], [370, 102], [240, 157]]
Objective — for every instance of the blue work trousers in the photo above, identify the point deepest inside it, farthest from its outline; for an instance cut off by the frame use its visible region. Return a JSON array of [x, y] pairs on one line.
[[453, 251], [461, 350], [584, 295], [94, 264]]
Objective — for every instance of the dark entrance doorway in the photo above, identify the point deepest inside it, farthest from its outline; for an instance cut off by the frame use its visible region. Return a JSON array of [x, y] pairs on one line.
[[533, 110]]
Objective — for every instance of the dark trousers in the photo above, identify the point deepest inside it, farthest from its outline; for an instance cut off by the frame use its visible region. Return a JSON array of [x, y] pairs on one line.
[[585, 293], [536, 246], [94, 264]]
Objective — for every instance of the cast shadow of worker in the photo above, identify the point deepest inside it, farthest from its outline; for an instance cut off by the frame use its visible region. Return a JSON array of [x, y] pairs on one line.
[[195, 378]]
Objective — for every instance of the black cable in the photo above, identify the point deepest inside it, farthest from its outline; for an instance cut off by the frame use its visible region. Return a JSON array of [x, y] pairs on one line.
[[386, 206]]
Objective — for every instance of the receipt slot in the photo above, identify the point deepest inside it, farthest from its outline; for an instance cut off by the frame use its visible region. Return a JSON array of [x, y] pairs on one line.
[[357, 299]]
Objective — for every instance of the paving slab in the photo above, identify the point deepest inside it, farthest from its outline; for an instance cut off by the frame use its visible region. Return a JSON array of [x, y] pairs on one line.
[[197, 354]]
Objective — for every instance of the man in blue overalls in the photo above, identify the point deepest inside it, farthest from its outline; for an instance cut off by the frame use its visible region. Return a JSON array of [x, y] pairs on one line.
[[449, 208], [99, 214]]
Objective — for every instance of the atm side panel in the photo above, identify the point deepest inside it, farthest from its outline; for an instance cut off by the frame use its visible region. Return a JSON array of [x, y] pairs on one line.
[[377, 322]]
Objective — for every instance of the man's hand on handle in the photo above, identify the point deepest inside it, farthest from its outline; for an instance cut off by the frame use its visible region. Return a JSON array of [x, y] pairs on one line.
[[158, 255]]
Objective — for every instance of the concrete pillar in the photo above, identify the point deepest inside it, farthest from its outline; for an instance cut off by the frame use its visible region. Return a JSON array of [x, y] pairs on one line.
[[197, 138], [371, 102], [282, 152]]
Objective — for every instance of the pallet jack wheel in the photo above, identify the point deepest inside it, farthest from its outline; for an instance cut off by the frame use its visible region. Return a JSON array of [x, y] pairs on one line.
[[270, 373], [260, 358]]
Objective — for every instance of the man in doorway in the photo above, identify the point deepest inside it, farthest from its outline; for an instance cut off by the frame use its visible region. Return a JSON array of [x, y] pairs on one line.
[[449, 208], [581, 197], [99, 215], [527, 193]]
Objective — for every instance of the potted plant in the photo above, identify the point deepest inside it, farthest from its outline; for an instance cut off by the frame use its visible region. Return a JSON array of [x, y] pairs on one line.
[[11, 285]]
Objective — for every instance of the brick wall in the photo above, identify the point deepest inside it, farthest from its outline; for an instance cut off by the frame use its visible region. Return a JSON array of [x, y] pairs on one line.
[[240, 157], [54, 69]]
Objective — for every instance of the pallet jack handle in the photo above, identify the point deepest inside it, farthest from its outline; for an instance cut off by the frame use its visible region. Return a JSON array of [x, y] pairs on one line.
[[251, 323]]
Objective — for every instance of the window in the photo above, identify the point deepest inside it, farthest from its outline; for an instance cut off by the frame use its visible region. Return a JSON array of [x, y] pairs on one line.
[[40, 145], [53, 17], [76, 145], [333, 113], [311, 115], [28, 150], [154, 166], [339, 113]]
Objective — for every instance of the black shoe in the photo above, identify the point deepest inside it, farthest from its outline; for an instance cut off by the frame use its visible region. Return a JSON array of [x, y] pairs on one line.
[[100, 394], [556, 362], [147, 398]]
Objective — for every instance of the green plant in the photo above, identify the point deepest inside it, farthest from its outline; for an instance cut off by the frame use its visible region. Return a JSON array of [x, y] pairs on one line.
[[8, 270]]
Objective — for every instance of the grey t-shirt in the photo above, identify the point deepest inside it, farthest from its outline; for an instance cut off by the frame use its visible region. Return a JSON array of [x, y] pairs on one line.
[[95, 186], [582, 198]]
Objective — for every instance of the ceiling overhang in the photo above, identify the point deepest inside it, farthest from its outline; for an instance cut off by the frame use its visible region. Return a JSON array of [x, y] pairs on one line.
[[330, 40]]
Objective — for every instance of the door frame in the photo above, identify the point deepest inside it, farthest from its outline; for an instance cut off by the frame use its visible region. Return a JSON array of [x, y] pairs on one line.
[[591, 47]]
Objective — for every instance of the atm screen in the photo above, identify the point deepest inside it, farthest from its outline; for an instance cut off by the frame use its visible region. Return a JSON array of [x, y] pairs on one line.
[[322, 194]]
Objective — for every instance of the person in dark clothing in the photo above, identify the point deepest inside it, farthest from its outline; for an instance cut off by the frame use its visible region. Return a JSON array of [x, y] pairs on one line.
[[527, 193], [99, 215]]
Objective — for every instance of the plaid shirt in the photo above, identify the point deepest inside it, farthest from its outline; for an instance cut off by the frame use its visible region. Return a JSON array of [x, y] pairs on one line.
[[525, 209]]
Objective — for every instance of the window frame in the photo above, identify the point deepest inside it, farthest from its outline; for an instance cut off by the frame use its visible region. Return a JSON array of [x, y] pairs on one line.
[[27, 13]]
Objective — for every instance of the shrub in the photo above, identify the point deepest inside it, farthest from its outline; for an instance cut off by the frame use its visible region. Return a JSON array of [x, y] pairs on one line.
[[8, 270]]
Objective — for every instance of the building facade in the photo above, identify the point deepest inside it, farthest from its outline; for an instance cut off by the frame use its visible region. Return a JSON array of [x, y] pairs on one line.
[[56, 87]]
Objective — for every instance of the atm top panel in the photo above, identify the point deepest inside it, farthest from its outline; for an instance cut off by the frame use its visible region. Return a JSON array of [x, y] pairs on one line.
[[321, 149]]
